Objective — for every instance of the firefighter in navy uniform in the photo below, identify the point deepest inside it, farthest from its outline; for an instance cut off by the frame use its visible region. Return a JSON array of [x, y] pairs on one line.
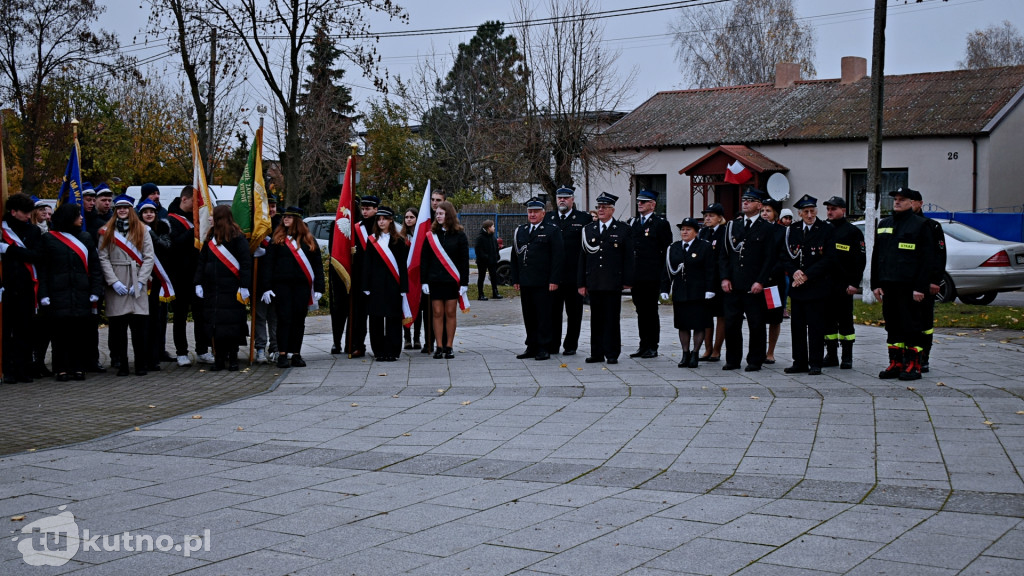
[[652, 236], [713, 231], [850, 259], [900, 263], [570, 222], [537, 258], [606, 267], [935, 272], [808, 259], [745, 264]]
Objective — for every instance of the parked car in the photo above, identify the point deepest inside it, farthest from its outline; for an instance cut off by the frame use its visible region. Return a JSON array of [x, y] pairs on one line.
[[504, 273], [321, 227], [978, 266]]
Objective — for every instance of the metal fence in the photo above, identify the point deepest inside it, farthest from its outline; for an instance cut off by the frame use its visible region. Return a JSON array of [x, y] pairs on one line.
[[506, 218]]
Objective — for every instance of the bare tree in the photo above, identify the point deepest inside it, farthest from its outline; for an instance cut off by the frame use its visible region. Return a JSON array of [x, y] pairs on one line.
[[997, 45], [274, 31], [573, 82], [740, 42]]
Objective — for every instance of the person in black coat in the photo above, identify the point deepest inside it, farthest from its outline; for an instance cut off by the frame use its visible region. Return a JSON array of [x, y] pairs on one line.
[[689, 276], [224, 286], [487, 260], [19, 248], [936, 270], [445, 284], [361, 230], [745, 263], [606, 267], [537, 256], [570, 222], [713, 232], [848, 244], [651, 238], [181, 266], [385, 285], [412, 333], [294, 272], [809, 259], [70, 285], [773, 316], [159, 293]]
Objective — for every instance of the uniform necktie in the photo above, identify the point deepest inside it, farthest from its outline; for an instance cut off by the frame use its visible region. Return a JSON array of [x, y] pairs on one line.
[[603, 227], [532, 228], [746, 226], [563, 217], [806, 228], [686, 247]]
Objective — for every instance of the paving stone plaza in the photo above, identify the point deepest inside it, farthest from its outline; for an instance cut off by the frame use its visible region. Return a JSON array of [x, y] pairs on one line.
[[488, 465]]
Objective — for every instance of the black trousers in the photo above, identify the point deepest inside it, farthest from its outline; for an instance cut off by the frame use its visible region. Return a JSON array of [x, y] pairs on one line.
[[19, 330], [118, 338], [359, 319], [339, 307], [185, 300], [41, 339], [839, 316], [386, 336], [905, 320], [156, 326], [487, 268], [292, 305], [605, 323], [645, 299], [69, 352], [807, 321], [536, 302], [736, 306], [569, 298]]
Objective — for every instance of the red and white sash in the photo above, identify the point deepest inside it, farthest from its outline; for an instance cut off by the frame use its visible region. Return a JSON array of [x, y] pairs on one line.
[[183, 221], [226, 258], [392, 264], [304, 264], [361, 235], [11, 237], [122, 242], [75, 245], [449, 265]]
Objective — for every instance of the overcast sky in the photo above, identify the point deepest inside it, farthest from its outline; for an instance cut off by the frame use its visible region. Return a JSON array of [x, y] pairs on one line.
[[924, 37]]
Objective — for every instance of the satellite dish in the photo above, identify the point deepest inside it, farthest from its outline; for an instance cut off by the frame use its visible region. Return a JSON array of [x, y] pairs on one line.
[[778, 186]]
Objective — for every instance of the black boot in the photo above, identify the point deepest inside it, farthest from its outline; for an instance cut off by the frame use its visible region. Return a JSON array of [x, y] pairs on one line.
[[480, 294], [895, 364], [831, 358], [233, 362], [694, 357], [847, 361], [448, 352], [911, 365], [685, 362], [924, 360]]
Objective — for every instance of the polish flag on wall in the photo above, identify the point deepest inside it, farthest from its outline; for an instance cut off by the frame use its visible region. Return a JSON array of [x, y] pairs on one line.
[[772, 297], [737, 173]]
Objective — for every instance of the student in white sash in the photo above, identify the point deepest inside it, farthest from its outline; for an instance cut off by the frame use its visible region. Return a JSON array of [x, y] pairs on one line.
[[70, 283], [223, 280], [161, 290], [385, 284], [295, 274], [445, 274], [126, 257]]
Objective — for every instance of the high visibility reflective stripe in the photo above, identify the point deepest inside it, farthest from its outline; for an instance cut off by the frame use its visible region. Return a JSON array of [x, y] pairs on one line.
[[907, 246], [929, 331], [831, 336], [848, 337], [843, 247], [885, 230], [900, 345], [916, 348]]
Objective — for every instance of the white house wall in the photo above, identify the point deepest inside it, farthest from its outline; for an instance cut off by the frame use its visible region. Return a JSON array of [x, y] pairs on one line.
[[1003, 173]]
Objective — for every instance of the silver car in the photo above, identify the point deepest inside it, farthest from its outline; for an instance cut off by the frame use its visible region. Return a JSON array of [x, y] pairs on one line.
[[978, 266]]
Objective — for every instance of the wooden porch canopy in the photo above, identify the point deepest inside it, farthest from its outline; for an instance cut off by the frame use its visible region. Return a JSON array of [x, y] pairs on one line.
[[707, 176]]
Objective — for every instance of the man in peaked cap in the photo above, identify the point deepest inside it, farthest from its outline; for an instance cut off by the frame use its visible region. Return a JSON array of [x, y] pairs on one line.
[[848, 272], [570, 222], [901, 259], [714, 233], [809, 259], [360, 315], [606, 267], [652, 236], [537, 257], [745, 264]]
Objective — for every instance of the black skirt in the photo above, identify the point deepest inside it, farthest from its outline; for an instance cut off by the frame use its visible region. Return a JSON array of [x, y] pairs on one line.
[[444, 291], [691, 315]]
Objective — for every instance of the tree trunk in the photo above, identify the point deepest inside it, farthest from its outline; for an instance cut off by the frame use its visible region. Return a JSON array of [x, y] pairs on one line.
[[874, 142]]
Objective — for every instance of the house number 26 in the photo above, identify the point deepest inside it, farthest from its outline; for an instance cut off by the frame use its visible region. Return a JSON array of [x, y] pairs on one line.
[[952, 155]]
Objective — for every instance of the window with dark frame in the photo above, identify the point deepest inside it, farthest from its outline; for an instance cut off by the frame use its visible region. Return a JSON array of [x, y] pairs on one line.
[[656, 183], [856, 190]]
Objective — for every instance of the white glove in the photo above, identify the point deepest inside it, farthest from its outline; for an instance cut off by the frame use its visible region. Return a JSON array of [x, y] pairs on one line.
[[267, 296], [664, 295], [426, 289], [317, 296], [142, 288], [120, 288], [259, 252], [3, 247], [367, 292], [92, 297], [44, 301], [463, 290], [244, 292], [1, 293], [709, 295], [199, 291]]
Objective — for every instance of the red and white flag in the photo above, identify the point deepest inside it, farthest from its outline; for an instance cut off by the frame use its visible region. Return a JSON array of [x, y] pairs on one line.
[[418, 242], [737, 173], [341, 241], [202, 204], [772, 297]]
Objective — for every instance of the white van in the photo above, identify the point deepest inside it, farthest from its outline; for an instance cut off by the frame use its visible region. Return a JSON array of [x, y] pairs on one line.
[[221, 194]]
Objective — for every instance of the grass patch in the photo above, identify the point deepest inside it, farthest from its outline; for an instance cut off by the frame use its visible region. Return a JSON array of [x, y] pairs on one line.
[[951, 315]]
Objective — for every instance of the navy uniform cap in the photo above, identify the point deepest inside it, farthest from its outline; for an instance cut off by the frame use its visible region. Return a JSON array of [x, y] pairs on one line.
[[292, 211], [774, 204], [606, 198], [124, 200], [689, 223], [646, 195], [907, 193], [805, 201], [715, 208], [386, 212], [369, 201], [564, 192], [103, 190], [835, 201], [534, 204], [754, 194], [147, 203], [271, 198]]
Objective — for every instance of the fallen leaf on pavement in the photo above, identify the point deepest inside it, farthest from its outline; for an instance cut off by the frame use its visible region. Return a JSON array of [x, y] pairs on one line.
[[152, 406], [239, 429], [17, 518], [755, 397], [354, 404], [911, 388], [987, 422], [394, 395], [406, 434], [382, 374], [940, 383], [197, 417], [562, 365], [465, 403], [724, 389], [137, 429]]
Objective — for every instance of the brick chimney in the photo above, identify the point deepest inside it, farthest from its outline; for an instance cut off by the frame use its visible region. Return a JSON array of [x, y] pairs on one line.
[[786, 74], [854, 68]]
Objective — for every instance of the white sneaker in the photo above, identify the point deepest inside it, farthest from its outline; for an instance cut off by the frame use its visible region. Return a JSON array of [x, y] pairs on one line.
[[184, 361], [261, 357], [272, 357], [205, 358]]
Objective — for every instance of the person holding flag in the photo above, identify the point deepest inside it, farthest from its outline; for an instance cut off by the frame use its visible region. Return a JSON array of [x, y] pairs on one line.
[[292, 270], [70, 284], [385, 284], [181, 265], [770, 209], [445, 275], [362, 231], [126, 258], [21, 282], [223, 282]]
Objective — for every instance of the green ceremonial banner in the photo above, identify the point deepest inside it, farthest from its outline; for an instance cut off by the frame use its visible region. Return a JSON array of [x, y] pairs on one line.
[[249, 207]]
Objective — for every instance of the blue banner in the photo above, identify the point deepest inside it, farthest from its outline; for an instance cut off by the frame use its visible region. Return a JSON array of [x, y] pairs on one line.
[[71, 187]]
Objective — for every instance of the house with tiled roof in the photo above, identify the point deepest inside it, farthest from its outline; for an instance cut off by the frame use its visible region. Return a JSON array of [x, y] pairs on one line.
[[956, 136]]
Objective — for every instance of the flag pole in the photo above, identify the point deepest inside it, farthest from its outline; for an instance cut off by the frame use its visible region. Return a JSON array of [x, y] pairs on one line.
[[352, 283], [3, 202], [255, 266]]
